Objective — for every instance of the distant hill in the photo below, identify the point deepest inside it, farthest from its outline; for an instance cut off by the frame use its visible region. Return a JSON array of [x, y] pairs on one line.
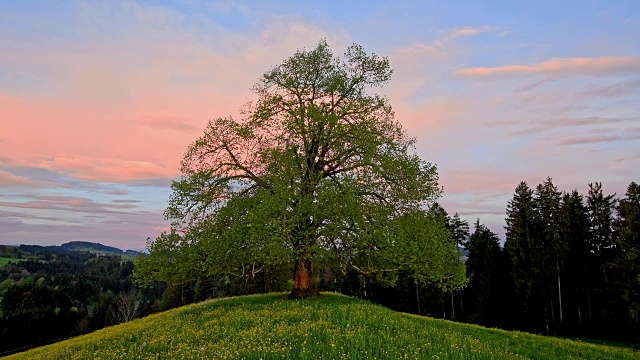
[[334, 327], [32, 249], [6, 250], [91, 247]]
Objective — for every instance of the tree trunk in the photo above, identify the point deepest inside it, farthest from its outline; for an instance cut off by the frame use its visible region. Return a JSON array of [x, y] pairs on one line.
[[559, 298], [304, 286], [417, 298], [453, 307]]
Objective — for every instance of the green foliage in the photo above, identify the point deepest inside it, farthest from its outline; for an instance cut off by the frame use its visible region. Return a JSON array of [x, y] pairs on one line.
[[483, 269], [53, 294], [334, 327], [521, 247], [317, 170], [627, 227], [601, 210]]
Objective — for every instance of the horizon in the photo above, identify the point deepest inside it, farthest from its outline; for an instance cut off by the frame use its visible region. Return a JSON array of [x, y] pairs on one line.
[[99, 101]]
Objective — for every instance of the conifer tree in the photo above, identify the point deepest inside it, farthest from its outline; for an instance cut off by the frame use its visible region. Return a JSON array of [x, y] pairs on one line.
[[551, 246], [574, 230], [520, 247], [483, 272], [627, 228]]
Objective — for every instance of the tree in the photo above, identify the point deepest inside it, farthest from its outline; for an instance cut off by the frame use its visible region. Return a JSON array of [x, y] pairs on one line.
[[574, 230], [483, 269], [315, 168], [601, 216], [601, 209], [523, 250], [127, 306], [460, 231], [553, 247], [627, 228]]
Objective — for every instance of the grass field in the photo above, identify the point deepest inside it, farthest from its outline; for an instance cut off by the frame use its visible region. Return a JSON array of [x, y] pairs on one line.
[[4, 261], [334, 327], [127, 257]]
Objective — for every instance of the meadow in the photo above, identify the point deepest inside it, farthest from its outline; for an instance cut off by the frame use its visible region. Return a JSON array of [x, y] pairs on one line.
[[333, 327], [5, 260]]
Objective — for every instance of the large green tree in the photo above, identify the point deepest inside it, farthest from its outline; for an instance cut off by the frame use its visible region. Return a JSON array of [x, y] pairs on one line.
[[316, 168]]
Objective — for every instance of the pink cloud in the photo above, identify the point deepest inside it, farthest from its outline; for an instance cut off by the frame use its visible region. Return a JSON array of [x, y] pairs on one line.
[[107, 169], [167, 122], [562, 67], [471, 31], [83, 116], [7, 179], [161, 228]]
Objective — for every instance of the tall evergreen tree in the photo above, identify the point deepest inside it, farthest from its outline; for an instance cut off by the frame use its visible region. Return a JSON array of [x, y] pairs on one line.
[[574, 230], [521, 248], [483, 273], [601, 210], [551, 247], [605, 302], [627, 229], [460, 231]]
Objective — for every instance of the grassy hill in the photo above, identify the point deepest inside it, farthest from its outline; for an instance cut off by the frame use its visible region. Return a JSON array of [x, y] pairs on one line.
[[335, 327], [91, 247]]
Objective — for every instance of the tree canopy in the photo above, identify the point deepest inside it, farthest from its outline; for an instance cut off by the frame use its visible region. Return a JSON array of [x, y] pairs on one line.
[[316, 169]]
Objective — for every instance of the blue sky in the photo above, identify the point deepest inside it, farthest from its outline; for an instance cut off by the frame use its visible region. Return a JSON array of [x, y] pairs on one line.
[[98, 100]]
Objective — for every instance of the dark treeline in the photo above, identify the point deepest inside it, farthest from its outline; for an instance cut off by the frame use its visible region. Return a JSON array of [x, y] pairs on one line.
[[569, 267], [51, 294]]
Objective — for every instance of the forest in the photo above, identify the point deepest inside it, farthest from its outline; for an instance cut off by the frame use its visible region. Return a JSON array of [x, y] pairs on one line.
[[568, 268], [51, 293]]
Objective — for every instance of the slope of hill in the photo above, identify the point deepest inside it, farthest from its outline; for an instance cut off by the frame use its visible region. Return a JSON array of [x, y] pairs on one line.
[[90, 246], [335, 327]]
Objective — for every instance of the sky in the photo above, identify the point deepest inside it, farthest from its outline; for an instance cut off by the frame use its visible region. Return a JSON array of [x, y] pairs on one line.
[[99, 99]]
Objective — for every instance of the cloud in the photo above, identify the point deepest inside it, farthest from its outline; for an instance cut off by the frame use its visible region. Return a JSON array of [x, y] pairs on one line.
[[471, 31], [158, 182], [8, 179], [122, 100], [479, 181], [561, 67], [117, 192], [123, 230], [582, 140], [105, 169], [66, 203], [162, 228], [14, 217], [625, 88], [161, 122], [535, 84], [554, 123]]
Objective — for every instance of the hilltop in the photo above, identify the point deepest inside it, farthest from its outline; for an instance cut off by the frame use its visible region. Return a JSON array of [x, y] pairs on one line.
[[334, 327], [15, 253], [90, 246]]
